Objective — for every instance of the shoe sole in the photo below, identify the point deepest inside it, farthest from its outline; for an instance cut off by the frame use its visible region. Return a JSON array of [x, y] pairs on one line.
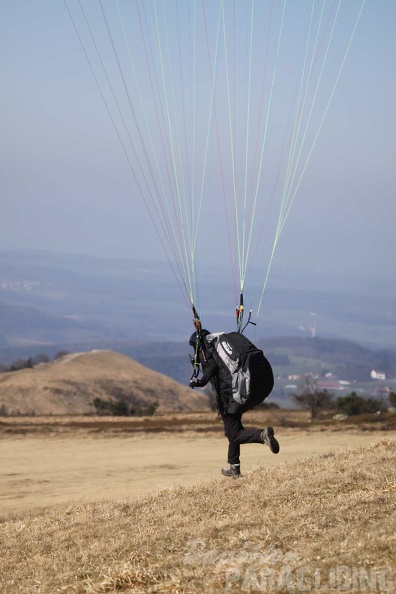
[[272, 441]]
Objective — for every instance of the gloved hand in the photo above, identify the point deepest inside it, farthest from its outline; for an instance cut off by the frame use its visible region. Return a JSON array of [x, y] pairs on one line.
[[193, 383]]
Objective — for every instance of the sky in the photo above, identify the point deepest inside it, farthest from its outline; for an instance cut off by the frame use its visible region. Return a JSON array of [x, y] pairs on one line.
[[66, 184]]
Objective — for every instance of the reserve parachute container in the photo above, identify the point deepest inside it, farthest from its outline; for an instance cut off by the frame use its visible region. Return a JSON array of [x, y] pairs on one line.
[[246, 370]]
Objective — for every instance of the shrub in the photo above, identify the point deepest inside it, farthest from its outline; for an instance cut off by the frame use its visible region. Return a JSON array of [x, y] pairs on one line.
[[41, 358], [21, 364], [121, 408], [60, 354], [392, 398], [311, 398], [352, 404], [317, 401], [26, 363], [269, 405]]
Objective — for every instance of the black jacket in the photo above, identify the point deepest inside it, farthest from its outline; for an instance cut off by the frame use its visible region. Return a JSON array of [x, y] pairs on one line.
[[214, 371], [210, 370]]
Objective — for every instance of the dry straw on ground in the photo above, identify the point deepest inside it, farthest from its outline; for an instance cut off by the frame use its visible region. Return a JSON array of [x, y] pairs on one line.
[[310, 525]]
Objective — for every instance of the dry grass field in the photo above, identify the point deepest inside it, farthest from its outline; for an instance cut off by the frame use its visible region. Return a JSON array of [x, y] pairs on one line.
[[138, 505], [48, 461]]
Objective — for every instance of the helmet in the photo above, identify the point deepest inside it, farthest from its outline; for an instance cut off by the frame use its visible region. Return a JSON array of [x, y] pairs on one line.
[[193, 338]]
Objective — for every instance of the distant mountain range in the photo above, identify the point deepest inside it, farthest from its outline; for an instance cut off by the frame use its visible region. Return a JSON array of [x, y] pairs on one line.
[[48, 298], [50, 302]]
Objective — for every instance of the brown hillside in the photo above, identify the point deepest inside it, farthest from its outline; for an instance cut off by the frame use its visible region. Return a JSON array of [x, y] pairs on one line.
[[70, 384]]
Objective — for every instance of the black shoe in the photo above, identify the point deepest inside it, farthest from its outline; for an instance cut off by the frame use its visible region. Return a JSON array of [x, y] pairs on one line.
[[267, 437], [234, 471]]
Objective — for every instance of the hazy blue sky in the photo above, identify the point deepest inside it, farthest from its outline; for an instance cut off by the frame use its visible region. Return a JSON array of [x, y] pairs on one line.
[[65, 181]]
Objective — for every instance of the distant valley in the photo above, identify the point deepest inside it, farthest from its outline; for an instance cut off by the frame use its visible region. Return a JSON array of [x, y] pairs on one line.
[[48, 298], [50, 302]]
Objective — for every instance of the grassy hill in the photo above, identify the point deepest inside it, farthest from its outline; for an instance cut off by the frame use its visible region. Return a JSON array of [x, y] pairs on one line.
[[326, 523], [346, 360], [69, 384]]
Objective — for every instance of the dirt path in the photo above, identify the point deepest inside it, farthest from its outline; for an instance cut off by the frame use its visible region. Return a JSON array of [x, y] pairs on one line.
[[38, 472]]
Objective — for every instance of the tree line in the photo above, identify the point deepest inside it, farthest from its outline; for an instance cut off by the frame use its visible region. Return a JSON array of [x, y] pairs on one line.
[[31, 362], [315, 400]]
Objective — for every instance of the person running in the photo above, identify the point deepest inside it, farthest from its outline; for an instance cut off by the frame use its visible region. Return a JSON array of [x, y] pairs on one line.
[[216, 370]]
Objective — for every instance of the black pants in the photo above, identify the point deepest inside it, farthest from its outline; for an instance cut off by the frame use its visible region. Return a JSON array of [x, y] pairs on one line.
[[237, 434]]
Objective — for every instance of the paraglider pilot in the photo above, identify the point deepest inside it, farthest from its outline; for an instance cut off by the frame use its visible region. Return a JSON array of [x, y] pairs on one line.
[[216, 370]]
